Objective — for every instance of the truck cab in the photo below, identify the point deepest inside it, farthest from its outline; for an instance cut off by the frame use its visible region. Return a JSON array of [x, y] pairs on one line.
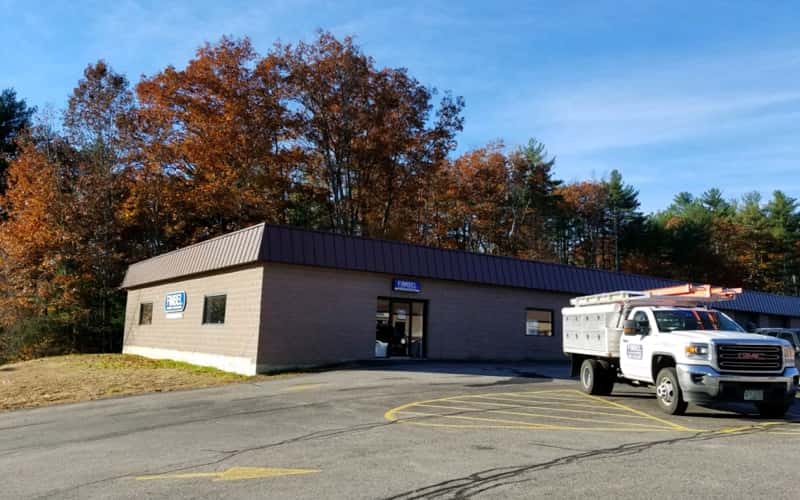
[[687, 351]]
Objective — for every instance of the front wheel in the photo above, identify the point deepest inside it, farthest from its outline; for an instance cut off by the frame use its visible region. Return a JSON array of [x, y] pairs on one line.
[[669, 393]]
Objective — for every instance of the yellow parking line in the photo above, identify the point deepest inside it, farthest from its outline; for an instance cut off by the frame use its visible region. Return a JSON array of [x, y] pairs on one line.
[[557, 404], [460, 408], [233, 474], [480, 419], [391, 415], [525, 407], [546, 396], [576, 419], [519, 425], [628, 412], [543, 401], [302, 387], [643, 414], [571, 410]]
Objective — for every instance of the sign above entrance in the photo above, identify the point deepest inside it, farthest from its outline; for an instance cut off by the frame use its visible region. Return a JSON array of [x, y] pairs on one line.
[[175, 302], [412, 286]]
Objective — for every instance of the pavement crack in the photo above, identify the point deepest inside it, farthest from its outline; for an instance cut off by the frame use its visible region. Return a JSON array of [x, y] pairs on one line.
[[326, 434], [490, 479]]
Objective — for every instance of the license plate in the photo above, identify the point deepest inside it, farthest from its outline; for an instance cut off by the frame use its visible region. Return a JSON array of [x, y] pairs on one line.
[[753, 394]]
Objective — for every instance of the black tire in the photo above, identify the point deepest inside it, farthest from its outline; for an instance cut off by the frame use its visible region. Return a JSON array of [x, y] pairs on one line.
[[608, 378], [593, 377], [668, 392], [773, 409]]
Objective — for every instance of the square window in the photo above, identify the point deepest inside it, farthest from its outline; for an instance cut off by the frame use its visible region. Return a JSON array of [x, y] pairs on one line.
[[539, 322], [146, 313], [214, 310]]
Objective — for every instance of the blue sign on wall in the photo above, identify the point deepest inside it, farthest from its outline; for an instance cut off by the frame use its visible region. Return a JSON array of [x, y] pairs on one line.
[[412, 286], [175, 302]]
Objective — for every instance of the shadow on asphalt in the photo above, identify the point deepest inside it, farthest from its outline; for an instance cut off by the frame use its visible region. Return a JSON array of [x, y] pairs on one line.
[[525, 371], [732, 410], [513, 381]]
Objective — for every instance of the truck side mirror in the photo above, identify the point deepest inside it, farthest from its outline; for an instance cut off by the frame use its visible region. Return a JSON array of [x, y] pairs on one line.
[[629, 327]]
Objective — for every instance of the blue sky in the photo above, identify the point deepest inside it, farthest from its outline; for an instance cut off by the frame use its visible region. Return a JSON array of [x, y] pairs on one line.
[[679, 96]]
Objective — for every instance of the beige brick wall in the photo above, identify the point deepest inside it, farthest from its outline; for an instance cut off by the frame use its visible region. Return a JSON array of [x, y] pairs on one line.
[[238, 337], [315, 315], [309, 315]]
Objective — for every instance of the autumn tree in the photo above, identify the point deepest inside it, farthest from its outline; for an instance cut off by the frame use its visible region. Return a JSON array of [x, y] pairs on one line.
[[371, 138], [582, 223], [39, 296], [478, 191], [63, 244], [98, 110], [219, 132]]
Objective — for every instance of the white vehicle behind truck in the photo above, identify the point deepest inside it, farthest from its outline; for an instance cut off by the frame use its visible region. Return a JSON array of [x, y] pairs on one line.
[[670, 338]]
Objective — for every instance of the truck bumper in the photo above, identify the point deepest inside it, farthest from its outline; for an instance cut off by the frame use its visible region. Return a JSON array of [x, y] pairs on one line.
[[703, 384]]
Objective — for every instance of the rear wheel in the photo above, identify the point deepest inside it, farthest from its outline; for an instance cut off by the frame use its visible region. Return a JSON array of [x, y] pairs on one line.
[[669, 393], [773, 409], [596, 377], [608, 377]]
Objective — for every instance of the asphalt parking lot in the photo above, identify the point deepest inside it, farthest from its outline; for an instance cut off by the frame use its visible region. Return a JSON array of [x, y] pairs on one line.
[[400, 431]]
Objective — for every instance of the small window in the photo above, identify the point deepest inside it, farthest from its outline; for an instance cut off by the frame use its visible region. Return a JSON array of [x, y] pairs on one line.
[[643, 324], [214, 309], [146, 313], [539, 322]]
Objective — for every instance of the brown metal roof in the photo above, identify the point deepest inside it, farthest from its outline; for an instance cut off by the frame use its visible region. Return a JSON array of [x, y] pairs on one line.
[[289, 245], [229, 250]]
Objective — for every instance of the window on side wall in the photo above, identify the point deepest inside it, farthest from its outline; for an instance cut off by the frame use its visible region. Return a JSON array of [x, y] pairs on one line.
[[539, 322], [146, 313], [214, 309]]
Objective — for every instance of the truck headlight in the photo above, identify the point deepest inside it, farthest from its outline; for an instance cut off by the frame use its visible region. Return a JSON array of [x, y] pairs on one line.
[[697, 351], [788, 355]]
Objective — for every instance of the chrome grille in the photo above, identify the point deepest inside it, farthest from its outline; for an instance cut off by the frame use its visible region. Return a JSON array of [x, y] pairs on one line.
[[749, 358]]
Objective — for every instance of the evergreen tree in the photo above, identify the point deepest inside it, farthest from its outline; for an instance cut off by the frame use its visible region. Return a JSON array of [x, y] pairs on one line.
[[15, 115], [784, 225], [622, 204]]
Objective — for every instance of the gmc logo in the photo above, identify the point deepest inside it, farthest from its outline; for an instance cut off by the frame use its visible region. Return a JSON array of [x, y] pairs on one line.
[[749, 355]]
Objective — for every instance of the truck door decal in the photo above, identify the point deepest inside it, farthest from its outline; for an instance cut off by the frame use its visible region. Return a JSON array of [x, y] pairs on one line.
[[634, 351]]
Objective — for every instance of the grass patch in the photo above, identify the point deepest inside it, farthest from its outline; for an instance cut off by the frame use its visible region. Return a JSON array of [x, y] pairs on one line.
[[67, 379]]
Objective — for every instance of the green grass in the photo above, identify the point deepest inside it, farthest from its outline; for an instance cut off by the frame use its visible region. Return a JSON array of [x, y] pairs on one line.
[[128, 361]]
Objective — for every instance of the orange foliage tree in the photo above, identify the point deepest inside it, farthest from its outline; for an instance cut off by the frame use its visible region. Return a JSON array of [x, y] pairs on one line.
[[217, 137], [318, 135], [370, 137]]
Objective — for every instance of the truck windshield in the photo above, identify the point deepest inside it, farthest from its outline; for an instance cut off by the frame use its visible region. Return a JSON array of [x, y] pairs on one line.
[[694, 319]]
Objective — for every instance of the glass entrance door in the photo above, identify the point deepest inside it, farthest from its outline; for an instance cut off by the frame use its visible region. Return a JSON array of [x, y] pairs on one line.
[[400, 328], [401, 322]]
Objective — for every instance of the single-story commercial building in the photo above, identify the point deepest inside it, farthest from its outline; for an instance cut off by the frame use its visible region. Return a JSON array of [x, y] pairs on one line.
[[272, 297]]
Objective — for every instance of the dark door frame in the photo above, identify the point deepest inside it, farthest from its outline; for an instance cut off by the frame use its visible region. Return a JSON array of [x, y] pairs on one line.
[[410, 301]]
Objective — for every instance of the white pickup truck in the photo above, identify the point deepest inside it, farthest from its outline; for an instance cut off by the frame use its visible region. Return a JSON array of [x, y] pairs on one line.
[[670, 339]]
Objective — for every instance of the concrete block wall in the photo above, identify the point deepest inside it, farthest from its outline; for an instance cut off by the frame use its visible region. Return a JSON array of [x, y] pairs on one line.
[[315, 315], [231, 346]]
